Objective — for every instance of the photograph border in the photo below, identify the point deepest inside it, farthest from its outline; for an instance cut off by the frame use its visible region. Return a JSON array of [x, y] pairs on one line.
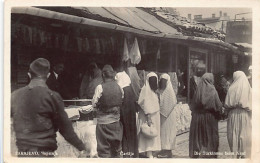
[[254, 4]]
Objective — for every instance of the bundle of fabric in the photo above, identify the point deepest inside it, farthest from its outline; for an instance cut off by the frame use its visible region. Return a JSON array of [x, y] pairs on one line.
[[86, 131], [73, 113], [183, 116], [186, 118]]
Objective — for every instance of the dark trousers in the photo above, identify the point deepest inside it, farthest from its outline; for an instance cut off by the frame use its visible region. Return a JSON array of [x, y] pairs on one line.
[[32, 151], [109, 139]]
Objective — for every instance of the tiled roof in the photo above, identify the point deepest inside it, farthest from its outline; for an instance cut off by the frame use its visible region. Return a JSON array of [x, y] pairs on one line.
[[184, 25]]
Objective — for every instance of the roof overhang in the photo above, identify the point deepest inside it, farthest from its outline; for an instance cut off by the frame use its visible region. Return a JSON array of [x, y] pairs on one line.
[[90, 22]]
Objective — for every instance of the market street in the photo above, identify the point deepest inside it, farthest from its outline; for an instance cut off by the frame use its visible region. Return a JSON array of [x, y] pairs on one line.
[[130, 82]]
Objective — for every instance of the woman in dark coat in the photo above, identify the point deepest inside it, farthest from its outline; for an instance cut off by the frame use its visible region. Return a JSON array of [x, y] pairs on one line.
[[206, 108], [128, 116]]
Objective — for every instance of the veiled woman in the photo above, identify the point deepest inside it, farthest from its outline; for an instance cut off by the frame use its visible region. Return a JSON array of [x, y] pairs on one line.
[[168, 118], [206, 108], [150, 112], [238, 102]]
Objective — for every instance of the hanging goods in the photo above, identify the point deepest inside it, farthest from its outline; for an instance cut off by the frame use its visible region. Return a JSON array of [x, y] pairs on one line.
[[135, 55], [126, 52]]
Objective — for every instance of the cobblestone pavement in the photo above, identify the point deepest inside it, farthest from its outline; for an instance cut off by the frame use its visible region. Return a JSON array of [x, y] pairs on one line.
[[182, 147]]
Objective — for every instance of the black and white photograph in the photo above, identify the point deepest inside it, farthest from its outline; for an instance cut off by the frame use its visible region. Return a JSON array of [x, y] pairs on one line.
[[130, 82]]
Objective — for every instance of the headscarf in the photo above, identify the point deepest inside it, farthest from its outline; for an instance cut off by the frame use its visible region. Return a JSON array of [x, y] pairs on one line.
[[239, 93], [122, 79], [148, 99], [206, 95], [167, 98]]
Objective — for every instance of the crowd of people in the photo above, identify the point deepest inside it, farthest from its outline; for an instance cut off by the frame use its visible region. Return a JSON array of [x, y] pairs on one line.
[[131, 121]]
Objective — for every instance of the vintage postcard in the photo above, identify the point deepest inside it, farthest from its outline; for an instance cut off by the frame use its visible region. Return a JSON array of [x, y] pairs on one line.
[[140, 81]]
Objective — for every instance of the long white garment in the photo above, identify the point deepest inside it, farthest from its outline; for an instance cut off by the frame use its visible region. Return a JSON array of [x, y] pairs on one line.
[[239, 120], [239, 93], [168, 116], [149, 103]]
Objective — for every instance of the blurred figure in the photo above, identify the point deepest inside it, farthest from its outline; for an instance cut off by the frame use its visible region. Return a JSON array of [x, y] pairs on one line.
[[38, 113], [128, 116], [168, 118], [194, 81], [206, 108], [135, 80], [54, 83], [91, 79], [181, 85], [221, 85], [149, 113], [108, 100], [239, 104]]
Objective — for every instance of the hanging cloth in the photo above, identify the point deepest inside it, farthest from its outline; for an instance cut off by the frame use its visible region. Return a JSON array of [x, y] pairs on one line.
[[97, 46], [30, 34], [42, 37], [103, 45], [34, 36], [87, 44], [135, 55], [143, 47], [158, 55], [56, 41], [126, 52], [112, 44], [79, 43]]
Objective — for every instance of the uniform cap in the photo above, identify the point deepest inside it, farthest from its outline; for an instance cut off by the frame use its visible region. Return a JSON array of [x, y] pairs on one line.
[[40, 67]]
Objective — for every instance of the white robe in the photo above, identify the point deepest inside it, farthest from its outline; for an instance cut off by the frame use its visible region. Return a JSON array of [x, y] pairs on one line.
[[149, 103]]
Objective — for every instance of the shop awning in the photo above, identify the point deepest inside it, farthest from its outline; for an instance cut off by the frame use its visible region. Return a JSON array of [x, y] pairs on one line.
[[133, 20], [132, 17]]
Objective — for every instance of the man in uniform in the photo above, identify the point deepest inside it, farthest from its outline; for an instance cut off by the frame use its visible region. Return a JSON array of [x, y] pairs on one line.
[[38, 113], [108, 99]]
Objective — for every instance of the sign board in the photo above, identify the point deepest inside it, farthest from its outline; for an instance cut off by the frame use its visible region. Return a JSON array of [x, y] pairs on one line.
[[239, 32]]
